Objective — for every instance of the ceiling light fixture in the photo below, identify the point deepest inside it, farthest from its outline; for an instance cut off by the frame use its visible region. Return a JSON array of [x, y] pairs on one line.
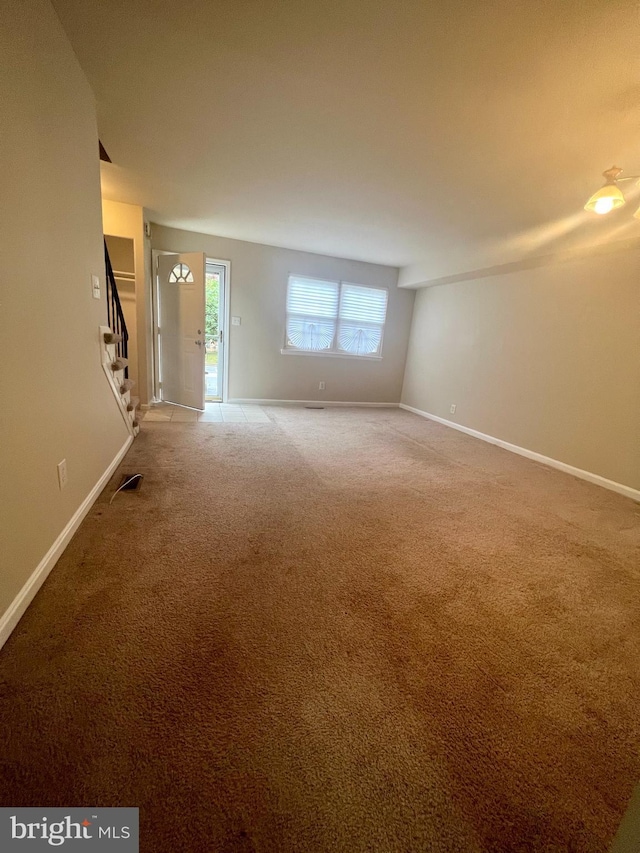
[[609, 197]]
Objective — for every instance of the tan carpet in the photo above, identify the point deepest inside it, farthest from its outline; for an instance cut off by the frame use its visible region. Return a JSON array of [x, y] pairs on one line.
[[345, 630]]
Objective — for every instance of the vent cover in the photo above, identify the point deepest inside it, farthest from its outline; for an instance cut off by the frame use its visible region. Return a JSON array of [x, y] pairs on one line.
[[130, 482]]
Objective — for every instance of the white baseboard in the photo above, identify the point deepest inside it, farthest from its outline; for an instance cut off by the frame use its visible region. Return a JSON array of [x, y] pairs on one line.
[[17, 608], [259, 401], [627, 491]]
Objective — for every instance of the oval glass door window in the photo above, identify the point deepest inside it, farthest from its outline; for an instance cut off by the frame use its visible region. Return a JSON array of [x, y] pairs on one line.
[[180, 274]]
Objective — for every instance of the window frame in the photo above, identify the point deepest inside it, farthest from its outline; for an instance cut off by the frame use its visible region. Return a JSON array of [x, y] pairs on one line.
[[334, 351], [182, 278]]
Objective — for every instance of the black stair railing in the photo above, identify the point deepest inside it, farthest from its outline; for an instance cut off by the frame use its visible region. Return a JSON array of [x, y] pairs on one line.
[[115, 314]]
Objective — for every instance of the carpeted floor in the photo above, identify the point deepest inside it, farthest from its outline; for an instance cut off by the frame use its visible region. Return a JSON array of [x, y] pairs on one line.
[[344, 630]]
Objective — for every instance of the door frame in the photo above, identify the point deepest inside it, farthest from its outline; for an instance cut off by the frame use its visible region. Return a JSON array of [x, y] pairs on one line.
[[226, 296], [155, 295]]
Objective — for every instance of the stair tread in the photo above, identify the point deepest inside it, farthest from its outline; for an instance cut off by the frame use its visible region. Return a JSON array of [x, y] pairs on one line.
[[112, 338]]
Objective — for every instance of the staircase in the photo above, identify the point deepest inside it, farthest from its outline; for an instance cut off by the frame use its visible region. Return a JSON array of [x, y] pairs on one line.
[[114, 347]]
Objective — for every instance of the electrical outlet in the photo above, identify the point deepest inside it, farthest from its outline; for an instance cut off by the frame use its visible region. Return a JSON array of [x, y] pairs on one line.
[[321, 386], [62, 474], [235, 321], [452, 408]]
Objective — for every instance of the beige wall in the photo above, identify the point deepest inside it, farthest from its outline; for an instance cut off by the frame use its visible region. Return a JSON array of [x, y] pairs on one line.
[[127, 220], [258, 293], [56, 401], [547, 359]]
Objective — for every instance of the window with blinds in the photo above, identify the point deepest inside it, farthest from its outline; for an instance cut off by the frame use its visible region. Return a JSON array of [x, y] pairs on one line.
[[335, 317]]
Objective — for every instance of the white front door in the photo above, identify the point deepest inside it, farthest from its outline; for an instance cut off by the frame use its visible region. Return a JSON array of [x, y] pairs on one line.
[[181, 339]]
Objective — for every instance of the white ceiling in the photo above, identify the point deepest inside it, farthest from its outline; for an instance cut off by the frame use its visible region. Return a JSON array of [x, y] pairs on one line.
[[437, 136]]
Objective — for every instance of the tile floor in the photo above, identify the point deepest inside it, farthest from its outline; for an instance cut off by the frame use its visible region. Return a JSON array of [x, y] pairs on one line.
[[213, 413]]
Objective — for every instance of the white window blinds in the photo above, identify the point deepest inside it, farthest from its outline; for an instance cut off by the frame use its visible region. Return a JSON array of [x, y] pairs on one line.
[[362, 314], [335, 317], [312, 310]]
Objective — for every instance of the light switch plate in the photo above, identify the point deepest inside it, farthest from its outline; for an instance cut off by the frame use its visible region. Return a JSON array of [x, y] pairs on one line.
[[235, 321], [95, 286]]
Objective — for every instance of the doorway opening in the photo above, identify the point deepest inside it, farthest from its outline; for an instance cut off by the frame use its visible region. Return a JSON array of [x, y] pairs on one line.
[[214, 331]]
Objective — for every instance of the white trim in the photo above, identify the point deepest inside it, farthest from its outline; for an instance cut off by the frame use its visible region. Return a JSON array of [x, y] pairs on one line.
[[627, 491], [155, 254], [260, 401], [328, 354], [14, 613]]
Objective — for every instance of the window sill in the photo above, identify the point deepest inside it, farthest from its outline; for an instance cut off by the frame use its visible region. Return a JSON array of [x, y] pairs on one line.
[[330, 354]]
